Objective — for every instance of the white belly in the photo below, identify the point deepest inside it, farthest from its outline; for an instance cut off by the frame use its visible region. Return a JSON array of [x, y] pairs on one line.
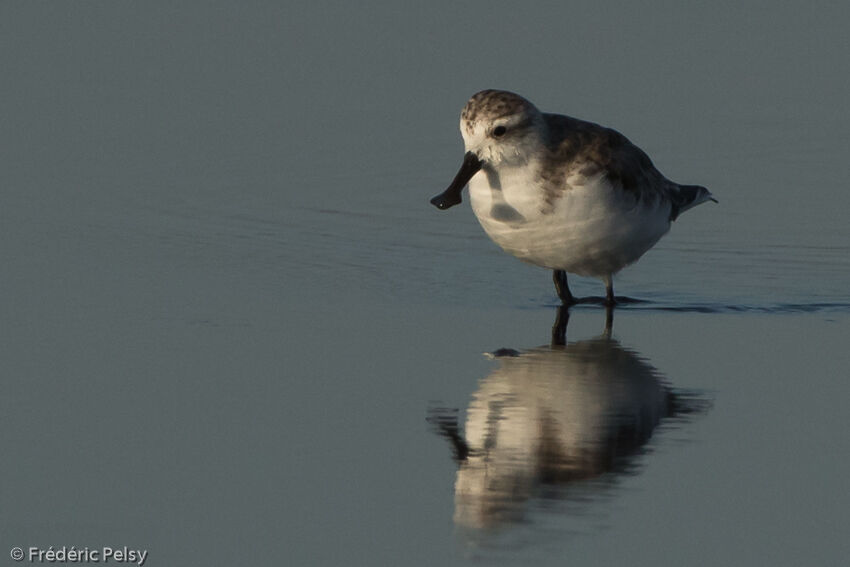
[[590, 229]]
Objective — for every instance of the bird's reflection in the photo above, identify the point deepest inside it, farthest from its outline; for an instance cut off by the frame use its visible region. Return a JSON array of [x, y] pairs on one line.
[[550, 417]]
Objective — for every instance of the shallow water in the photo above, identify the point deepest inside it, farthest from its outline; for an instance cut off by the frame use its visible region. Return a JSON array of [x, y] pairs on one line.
[[237, 333]]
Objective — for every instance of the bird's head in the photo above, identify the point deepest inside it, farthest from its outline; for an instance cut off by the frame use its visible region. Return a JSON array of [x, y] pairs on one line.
[[498, 128]]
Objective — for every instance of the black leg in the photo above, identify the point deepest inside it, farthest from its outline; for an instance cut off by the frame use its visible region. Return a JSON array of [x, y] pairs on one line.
[[559, 329], [609, 291], [560, 279]]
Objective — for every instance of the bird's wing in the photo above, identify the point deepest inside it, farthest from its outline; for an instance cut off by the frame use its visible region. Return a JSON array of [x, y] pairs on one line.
[[576, 143]]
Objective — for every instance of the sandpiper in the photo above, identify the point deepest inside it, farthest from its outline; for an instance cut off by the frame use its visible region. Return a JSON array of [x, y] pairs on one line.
[[562, 193]]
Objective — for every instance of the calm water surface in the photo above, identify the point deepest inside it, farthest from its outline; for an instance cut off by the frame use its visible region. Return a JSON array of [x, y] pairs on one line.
[[235, 332]]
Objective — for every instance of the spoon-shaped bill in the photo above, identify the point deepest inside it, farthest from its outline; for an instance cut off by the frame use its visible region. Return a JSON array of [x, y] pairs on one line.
[[451, 196]]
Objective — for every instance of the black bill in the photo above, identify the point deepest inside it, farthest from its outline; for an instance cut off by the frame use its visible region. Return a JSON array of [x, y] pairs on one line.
[[451, 196]]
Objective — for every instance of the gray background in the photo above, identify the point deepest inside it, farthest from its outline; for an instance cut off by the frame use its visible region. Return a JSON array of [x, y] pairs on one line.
[[227, 305]]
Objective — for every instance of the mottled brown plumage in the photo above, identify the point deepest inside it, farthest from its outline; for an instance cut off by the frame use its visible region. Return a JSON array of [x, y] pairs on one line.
[[577, 146], [493, 103]]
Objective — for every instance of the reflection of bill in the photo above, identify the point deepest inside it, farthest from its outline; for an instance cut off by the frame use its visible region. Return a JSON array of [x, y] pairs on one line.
[[548, 417]]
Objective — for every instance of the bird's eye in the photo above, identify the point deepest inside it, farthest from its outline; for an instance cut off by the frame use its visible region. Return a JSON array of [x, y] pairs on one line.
[[499, 131]]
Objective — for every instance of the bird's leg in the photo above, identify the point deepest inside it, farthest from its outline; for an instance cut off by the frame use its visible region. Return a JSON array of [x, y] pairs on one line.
[[559, 329], [560, 279], [609, 321], [609, 290]]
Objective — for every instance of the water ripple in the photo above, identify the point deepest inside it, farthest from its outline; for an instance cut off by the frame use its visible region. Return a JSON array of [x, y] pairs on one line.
[[630, 303]]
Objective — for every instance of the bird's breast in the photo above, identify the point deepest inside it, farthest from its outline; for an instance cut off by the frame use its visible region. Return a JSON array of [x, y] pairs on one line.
[[582, 224]]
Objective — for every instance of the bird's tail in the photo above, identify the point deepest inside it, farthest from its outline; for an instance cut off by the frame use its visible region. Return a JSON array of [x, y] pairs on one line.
[[688, 196]]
